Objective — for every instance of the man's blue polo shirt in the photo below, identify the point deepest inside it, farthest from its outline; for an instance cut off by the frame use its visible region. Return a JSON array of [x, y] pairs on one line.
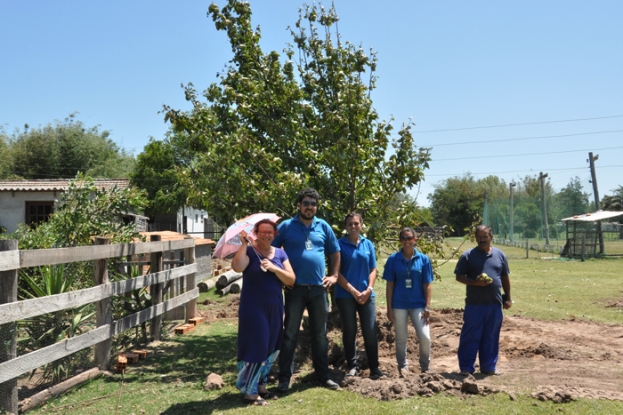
[[308, 265], [356, 262]]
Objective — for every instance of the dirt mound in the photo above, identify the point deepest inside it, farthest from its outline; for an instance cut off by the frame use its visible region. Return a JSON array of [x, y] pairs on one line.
[[543, 359]]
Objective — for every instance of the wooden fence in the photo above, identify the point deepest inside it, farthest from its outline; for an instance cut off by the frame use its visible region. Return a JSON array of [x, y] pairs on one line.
[[12, 310]]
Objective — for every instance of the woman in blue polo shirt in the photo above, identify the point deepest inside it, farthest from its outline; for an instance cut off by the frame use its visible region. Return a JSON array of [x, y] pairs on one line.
[[409, 274], [354, 294]]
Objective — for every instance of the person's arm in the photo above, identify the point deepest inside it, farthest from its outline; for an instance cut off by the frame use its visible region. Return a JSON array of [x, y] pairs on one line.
[[389, 292], [506, 285], [463, 279], [334, 267], [285, 274], [368, 292], [343, 282], [241, 259], [428, 292]]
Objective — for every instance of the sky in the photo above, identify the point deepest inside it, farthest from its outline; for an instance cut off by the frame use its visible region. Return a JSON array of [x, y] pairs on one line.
[[500, 88]]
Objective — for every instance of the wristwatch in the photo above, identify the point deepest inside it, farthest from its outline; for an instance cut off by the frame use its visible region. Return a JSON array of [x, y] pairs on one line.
[[427, 309]]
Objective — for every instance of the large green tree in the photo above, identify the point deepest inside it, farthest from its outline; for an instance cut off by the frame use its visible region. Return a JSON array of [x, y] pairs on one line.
[[457, 202], [274, 124], [157, 169], [571, 200], [62, 150]]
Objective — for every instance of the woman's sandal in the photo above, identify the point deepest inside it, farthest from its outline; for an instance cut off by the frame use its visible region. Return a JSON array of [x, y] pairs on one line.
[[256, 402], [268, 395]]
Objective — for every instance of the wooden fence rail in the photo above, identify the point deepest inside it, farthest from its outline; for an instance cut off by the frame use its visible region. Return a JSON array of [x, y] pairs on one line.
[[11, 310]]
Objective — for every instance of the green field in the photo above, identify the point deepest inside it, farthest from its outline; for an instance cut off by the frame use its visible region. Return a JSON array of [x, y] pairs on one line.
[[171, 380]]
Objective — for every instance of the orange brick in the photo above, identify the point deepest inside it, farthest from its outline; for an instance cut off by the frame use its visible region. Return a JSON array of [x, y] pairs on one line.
[[142, 354], [184, 328], [132, 357], [197, 320]]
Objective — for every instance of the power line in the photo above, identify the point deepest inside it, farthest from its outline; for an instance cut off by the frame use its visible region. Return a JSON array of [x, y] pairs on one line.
[[525, 154], [532, 170], [522, 138], [517, 124]]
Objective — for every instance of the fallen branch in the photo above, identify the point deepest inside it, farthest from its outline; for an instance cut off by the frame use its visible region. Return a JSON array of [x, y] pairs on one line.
[[54, 391]]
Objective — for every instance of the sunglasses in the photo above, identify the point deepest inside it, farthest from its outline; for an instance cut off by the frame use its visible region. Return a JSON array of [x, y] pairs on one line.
[[311, 203], [407, 238]]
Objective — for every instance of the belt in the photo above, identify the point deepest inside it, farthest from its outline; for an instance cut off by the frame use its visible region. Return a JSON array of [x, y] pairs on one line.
[[307, 285]]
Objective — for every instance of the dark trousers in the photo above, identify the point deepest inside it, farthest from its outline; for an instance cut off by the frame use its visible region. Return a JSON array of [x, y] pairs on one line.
[[314, 299], [349, 308]]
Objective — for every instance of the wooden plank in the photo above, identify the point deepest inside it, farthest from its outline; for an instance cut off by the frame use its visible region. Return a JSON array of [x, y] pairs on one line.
[[38, 257], [191, 284], [8, 332], [9, 260], [155, 290], [142, 316], [103, 307], [33, 360], [37, 306]]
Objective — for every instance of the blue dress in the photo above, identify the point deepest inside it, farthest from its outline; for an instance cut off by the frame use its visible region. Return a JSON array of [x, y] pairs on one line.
[[260, 315]]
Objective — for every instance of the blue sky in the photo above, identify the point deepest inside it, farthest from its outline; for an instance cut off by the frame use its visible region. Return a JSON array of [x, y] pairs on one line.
[[503, 88]]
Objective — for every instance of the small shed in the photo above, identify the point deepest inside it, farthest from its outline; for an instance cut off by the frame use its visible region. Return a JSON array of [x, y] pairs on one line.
[[583, 233]]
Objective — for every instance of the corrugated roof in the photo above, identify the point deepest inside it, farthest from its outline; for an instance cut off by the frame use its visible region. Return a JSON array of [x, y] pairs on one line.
[[593, 217], [50, 185]]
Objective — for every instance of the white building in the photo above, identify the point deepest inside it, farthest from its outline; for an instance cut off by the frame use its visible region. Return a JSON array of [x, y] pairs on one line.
[[32, 201], [191, 220]]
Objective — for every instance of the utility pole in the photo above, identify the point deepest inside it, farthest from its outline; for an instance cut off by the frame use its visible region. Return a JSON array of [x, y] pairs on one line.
[[542, 180], [591, 160], [511, 185], [485, 213]]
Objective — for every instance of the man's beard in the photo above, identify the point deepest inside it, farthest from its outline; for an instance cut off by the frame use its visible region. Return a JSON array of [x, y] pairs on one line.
[[306, 215]]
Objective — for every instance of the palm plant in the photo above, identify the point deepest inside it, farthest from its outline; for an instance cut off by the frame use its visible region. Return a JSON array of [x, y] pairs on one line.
[[133, 302], [48, 329]]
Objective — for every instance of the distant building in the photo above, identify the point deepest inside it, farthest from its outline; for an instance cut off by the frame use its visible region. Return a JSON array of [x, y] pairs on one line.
[[33, 201]]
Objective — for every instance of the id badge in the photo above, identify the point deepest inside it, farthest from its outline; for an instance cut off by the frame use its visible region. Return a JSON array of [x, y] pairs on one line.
[[308, 245], [409, 283]]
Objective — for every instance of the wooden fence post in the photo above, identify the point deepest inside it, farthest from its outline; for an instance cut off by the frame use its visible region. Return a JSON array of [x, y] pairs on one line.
[[103, 308], [155, 260], [8, 332], [191, 284], [527, 248]]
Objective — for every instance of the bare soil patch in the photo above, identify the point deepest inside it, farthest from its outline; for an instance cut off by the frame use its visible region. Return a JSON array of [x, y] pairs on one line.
[[559, 361]]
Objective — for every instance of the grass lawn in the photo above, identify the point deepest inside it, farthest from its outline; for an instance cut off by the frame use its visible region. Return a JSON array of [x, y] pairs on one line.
[[170, 381]]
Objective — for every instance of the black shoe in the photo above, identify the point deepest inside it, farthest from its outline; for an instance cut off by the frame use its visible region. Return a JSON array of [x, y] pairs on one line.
[[376, 374], [283, 386]]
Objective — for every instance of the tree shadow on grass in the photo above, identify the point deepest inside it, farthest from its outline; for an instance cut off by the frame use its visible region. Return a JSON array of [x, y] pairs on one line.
[[223, 402]]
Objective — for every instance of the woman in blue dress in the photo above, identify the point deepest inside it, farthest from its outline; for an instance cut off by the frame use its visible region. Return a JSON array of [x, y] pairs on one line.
[[265, 270]]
